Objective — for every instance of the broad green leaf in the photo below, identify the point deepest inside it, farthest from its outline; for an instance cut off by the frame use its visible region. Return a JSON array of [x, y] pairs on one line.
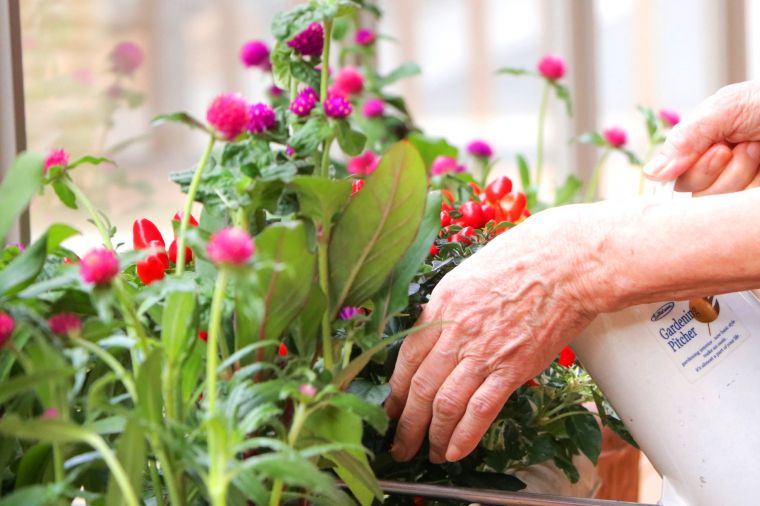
[[305, 72], [273, 297], [430, 148], [306, 327], [307, 138], [377, 227], [280, 58], [339, 426], [371, 413], [291, 469], [178, 325], [65, 195], [566, 193], [394, 295], [130, 450], [180, 117], [584, 431], [287, 24], [17, 188], [351, 141], [369, 391], [25, 267], [320, 199], [407, 69]]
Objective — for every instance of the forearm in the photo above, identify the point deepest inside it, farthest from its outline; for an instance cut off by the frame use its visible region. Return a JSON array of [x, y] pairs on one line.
[[640, 252]]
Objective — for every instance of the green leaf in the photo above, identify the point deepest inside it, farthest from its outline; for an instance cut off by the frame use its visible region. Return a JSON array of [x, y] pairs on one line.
[[584, 431], [307, 139], [305, 328], [372, 413], [180, 117], [20, 184], [65, 194], [33, 466], [514, 71], [563, 93], [431, 148], [591, 138], [287, 24], [130, 451], [25, 267], [650, 120], [306, 73], [293, 470], [350, 141], [394, 295], [149, 392], [280, 58], [369, 391], [407, 69], [632, 158], [39, 495], [566, 193], [274, 296], [18, 384], [321, 199], [178, 325], [340, 28], [89, 160], [377, 227]]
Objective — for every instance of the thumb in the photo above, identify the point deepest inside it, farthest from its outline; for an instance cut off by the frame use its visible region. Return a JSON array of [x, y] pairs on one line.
[[718, 119]]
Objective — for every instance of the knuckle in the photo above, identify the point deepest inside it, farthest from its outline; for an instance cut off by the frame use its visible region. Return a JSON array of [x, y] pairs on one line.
[[482, 408], [423, 387], [446, 406]]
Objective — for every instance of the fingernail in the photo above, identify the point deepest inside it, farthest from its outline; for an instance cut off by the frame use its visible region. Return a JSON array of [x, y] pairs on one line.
[[655, 165], [453, 453]]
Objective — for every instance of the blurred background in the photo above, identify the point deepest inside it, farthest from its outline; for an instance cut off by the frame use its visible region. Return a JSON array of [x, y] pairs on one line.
[[620, 54]]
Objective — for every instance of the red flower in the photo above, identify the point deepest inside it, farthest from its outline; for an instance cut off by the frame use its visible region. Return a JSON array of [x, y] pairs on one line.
[[566, 357], [7, 323], [552, 67], [99, 266], [615, 136], [64, 324], [356, 185], [203, 335], [282, 350]]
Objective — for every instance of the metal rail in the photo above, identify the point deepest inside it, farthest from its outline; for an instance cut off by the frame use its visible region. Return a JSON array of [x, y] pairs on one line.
[[493, 497]]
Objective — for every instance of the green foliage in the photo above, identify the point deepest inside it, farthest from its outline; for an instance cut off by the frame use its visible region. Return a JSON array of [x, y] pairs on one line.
[[23, 180]]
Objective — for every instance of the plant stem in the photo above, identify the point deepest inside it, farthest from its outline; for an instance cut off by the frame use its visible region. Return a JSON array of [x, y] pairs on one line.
[[324, 170], [324, 283], [191, 191], [241, 218], [175, 498], [135, 326], [328, 24], [648, 157], [540, 142], [111, 362], [157, 490], [58, 472], [299, 419], [594, 183], [115, 467], [565, 415], [94, 214], [212, 346]]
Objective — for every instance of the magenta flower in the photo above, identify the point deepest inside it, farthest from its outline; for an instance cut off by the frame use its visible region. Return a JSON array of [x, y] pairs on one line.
[[126, 57], [99, 266], [115, 92], [365, 37], [337, 107], [7, 323], [363, 165], [289, 151], [304, 102], [480, 148], [275, 91], [261, 118], [310, 41], [373, 108], [307, 390], [552, 67], [615, 137], [228, 114], [254, 53], [349, 81], [64, 324], [669, 117], [55, 158], [443, 164], [348, 312], [231, 246], [50, 413]]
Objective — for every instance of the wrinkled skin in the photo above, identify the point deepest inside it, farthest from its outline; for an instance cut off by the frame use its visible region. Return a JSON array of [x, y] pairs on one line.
[[506, 312]]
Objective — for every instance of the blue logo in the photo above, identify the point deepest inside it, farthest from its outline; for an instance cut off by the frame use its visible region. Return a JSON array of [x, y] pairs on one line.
[[663, 311]]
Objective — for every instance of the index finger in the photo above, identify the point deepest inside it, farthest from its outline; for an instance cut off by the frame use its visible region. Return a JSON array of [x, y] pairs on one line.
[[413, 351]]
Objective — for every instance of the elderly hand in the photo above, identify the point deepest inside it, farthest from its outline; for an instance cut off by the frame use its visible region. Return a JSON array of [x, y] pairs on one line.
[[715, 150], [505, 313]]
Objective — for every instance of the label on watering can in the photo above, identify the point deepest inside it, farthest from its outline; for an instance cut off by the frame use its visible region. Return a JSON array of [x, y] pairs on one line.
[[697, 334]]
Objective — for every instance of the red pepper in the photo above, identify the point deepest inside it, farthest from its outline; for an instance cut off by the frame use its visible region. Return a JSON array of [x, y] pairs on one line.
[[513, 206], [566, 357], [282, 350], [173, 246], [464, 236], [433, 250], [203, 335], [476, 189], [489, 212], [445, 219], [154, 266], [472, 215], [498, 189], [178, 218], [356, 185], [145, 232]]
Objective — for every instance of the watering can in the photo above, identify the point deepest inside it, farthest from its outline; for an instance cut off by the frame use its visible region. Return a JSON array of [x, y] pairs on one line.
[[684, 376]]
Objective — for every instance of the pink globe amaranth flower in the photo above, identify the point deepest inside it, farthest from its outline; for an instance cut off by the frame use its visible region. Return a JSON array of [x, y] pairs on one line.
[[64, 324], [350, 81], [373, 108], [338, 107], [443, 164], [115, 92], [276, 91], [307, 390], [229, 114], [365, 37], [480, 148], [310, 41], [7, 323], [363, 165], [99, 266], [304, 102], [669, 117], [261, 118], [552, 67], [254, 53], [56, 157], [231, 246], [289, 151], [126, 57], [348, 312], [50, 413], [615, 137]]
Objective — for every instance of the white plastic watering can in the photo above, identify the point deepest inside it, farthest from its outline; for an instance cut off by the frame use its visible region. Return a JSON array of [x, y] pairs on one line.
[[684, 376]]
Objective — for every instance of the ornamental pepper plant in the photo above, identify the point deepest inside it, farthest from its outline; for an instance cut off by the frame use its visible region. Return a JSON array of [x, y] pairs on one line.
[[247, 363]]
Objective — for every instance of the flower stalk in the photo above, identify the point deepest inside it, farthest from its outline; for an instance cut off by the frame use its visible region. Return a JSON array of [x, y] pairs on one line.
[[594, 183], [540, 137]]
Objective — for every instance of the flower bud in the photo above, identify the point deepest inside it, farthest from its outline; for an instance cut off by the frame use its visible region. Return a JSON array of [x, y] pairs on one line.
[[348, 312], [126, 57], [99, 266], [615, 137], [365, 37], [228, 114], [65, 324], [349, 81], [7, 323], [337, 107], [307, 390], [552, 67], [566, 357], [254, 53], [356, 186], [55, 158], [310, 41], [230, 246], [373, 108], [443, 164], [480, 149], [669, 117], [363, 165], [261, 118], [304, 102]]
